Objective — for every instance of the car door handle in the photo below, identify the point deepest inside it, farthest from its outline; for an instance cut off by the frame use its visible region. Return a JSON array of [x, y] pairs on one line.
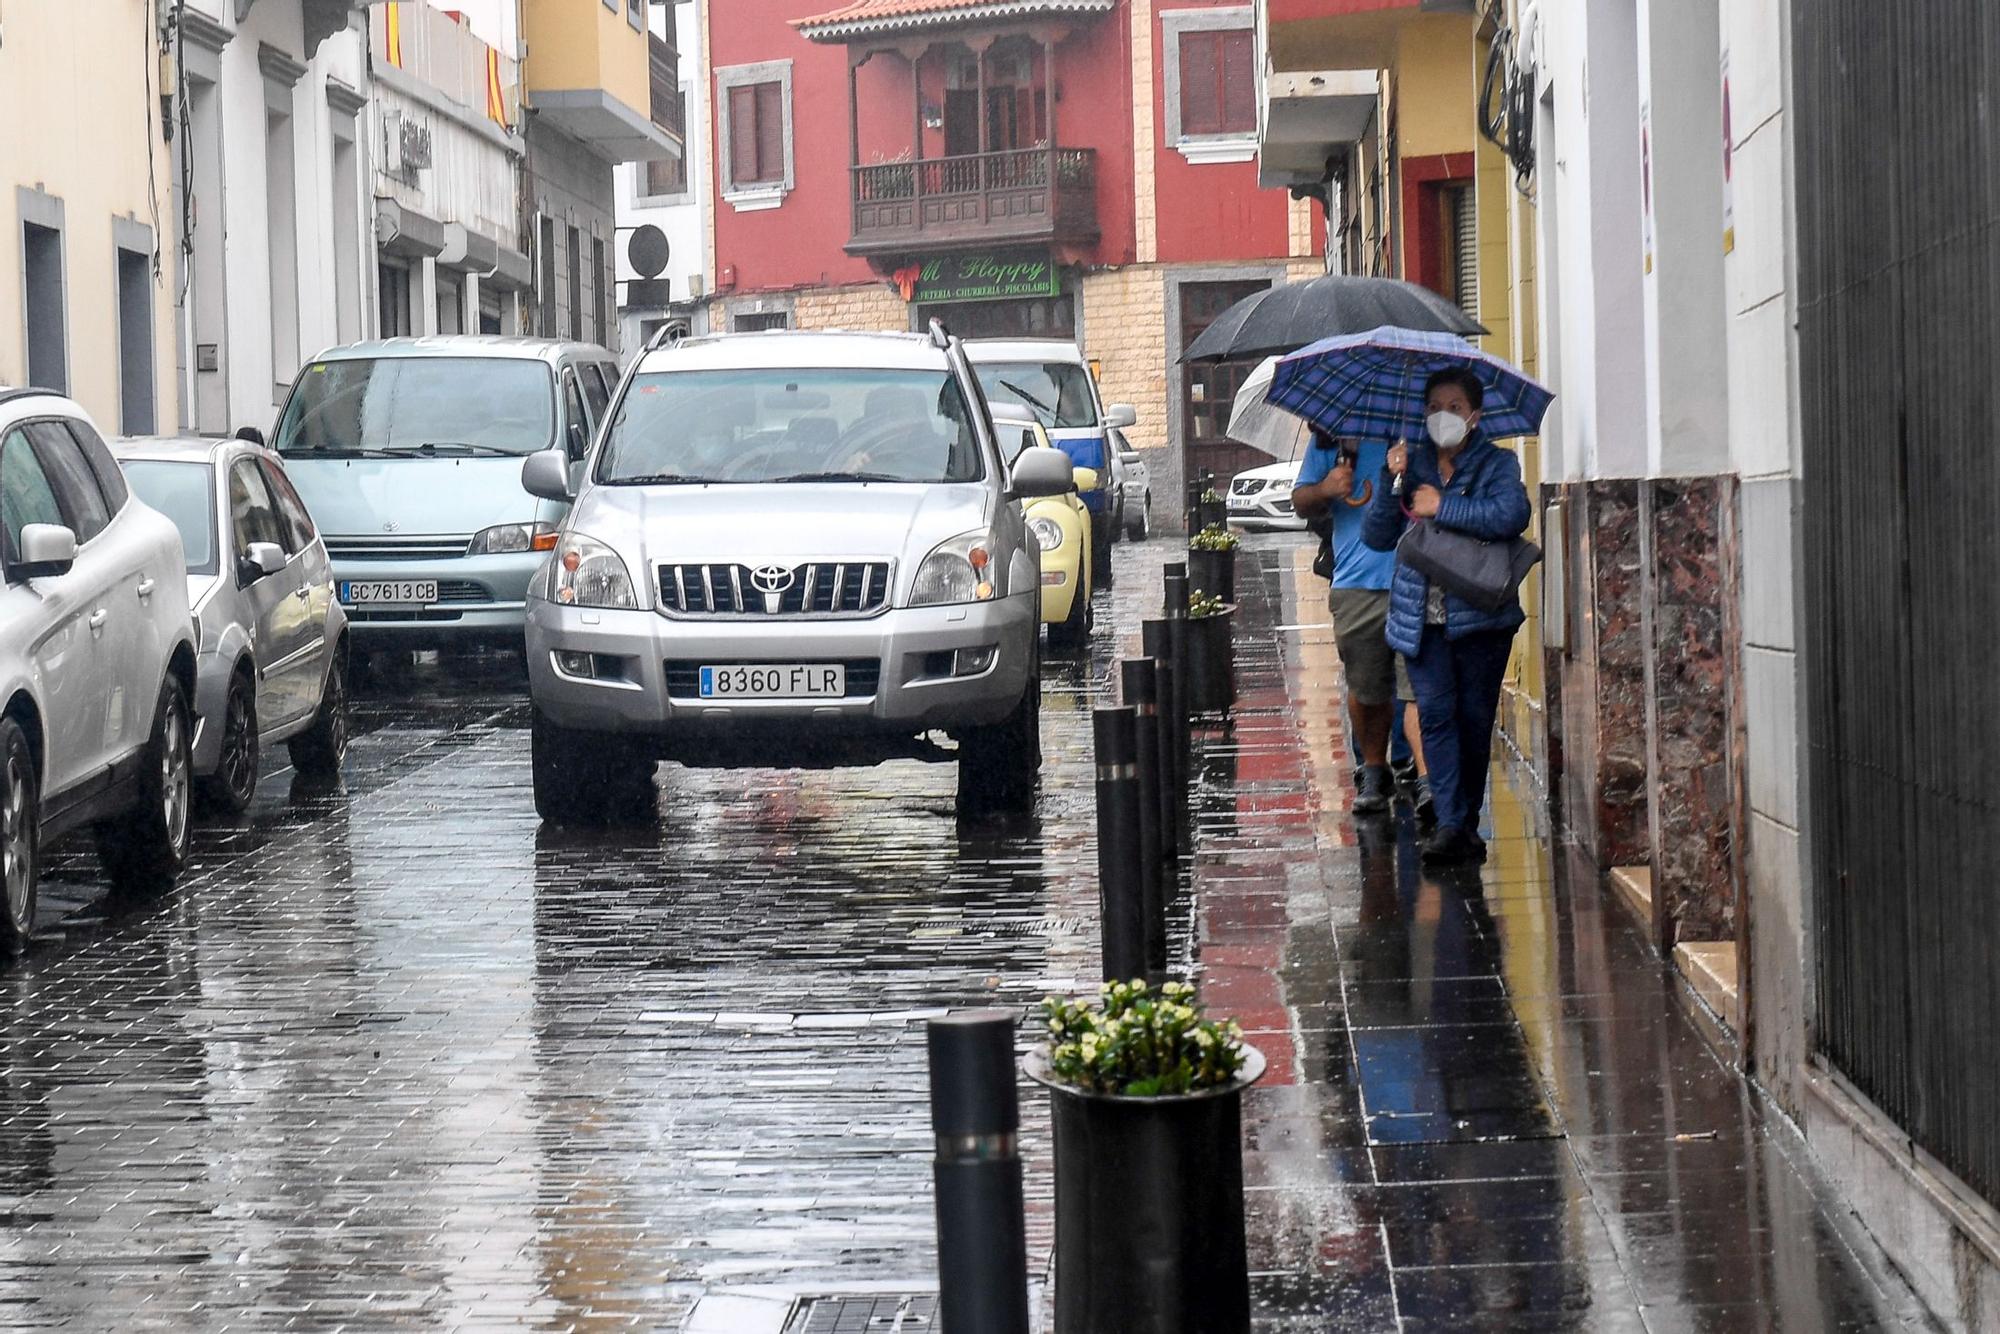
[[97, 619], [145, 589]]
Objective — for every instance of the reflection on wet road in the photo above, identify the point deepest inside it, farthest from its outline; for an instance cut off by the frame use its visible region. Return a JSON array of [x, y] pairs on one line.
[[396, 1057]]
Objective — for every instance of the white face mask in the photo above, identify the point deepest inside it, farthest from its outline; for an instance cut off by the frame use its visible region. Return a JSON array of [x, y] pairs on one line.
[[1447, 429]]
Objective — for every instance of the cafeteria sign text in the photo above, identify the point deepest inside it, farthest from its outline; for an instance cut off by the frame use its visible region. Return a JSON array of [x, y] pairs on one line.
[[989, 276]]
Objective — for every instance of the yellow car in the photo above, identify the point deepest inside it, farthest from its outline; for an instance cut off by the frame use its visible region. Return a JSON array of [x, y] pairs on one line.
[[1061, 526]]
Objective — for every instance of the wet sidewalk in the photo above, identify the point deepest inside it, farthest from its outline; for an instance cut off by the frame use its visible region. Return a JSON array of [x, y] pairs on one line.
[[1488, 1106]]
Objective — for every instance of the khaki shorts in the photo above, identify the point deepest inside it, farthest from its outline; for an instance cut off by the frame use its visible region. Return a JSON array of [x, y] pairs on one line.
[[1375, 672]]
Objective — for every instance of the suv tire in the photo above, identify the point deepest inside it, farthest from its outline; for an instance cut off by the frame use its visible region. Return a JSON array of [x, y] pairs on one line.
[[1141, 528], [588, 778], [998, 765], [20, 836], [320, 750], [144, 849], [228, 790]]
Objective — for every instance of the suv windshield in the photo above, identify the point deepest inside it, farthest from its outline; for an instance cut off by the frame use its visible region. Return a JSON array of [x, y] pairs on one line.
[[1056, 392], [185, 493], [418, 406], [791, 425]]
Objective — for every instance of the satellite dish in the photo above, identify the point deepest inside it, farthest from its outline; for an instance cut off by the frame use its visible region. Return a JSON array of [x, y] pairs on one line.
[[648, 251]]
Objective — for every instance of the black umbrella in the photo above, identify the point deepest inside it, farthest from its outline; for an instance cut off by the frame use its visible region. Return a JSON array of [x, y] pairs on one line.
[[1284, 319]]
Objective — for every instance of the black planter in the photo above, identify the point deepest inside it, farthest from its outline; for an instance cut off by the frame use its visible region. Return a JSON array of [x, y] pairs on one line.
[[1213, 572], [1211, 513], [1211, 662], [1149, 1209]]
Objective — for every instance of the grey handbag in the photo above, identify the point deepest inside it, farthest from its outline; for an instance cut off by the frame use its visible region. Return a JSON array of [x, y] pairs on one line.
[[1484, 574]]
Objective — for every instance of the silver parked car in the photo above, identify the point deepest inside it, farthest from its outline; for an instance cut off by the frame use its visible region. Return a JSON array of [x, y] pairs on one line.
[[273, 639], [97, 661], [789, 549]]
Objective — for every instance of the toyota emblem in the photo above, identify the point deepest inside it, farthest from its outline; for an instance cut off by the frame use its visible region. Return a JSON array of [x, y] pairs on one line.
[[770, 579]]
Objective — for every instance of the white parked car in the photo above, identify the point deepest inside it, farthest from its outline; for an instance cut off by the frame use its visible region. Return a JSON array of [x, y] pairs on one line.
[[1137, 515], [1262, 497], [97, 661], [273, 639]]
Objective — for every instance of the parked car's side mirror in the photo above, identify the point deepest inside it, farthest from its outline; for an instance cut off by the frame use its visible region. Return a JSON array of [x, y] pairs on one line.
[[250, 433], [260, 561], [1042, 471], [1120, 415], [47, 550], [1086, 478], [545, 474]]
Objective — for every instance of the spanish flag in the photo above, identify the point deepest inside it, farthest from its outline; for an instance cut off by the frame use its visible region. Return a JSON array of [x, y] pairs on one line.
[[394, 12], [496, 97]]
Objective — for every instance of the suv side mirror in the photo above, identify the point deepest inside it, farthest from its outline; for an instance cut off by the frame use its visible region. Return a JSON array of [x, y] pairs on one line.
[[250, 433], [47, 550], [1120, 415], [1042, 471], [260, 561], [545, 474]]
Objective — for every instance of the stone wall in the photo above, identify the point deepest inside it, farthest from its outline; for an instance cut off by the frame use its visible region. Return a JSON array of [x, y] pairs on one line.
[[1123, 319], [874, 307]]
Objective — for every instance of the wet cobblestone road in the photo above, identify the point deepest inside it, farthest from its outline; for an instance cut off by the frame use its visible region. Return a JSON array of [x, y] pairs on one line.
[[395, 1058]]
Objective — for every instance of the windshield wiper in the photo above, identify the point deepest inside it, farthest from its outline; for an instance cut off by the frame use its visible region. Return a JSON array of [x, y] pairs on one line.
[[661, 479], [331, 453], [1030, 400], [837, 477], [447, 447]]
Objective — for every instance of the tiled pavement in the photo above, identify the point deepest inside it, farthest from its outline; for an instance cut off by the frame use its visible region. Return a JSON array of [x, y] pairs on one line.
[[394, 1058]]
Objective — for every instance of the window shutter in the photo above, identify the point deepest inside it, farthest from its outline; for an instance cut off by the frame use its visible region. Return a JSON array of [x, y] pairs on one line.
[[1465, 248], [1239, 84], [770, 132], [742, 134], [1200, 111]]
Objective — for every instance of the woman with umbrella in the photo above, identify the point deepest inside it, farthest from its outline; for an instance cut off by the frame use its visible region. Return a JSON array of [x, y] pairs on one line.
[[1453, 399]]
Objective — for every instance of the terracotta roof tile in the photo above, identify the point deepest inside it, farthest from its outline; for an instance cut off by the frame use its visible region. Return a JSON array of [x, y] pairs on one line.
[[868, 17]]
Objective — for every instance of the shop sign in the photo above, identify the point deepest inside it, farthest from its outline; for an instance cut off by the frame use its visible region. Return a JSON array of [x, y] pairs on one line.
[[978, 276]]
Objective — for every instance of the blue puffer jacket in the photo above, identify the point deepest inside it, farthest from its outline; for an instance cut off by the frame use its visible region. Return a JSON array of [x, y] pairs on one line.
[[1485, 499]]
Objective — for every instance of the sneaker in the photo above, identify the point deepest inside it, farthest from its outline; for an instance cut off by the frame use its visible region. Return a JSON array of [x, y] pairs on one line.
[[1451, 845], [1406, 779], [1423, 803], [1371, 795]]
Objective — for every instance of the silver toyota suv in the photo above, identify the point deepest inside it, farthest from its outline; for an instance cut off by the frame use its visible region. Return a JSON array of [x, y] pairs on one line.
[[793, 550]]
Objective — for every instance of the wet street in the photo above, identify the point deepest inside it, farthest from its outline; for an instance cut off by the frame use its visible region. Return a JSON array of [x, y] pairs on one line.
[[395, 1058]]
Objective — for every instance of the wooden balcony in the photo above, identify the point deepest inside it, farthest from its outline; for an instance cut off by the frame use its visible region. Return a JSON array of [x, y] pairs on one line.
[[1042, 194]]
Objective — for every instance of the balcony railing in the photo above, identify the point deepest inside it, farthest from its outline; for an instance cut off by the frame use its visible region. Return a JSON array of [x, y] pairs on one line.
[[1025, 194], [664, 65]]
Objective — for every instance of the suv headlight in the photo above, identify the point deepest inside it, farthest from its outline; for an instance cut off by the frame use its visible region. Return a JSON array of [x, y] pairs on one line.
[[1048, 533], [504, 538], [965, 568], [587, 573]]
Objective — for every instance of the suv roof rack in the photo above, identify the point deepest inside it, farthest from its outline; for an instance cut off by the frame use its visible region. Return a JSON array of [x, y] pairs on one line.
[[940, 336], [672, 331]]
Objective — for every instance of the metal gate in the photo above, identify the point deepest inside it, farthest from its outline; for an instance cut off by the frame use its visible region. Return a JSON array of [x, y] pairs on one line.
[[1898, 171]]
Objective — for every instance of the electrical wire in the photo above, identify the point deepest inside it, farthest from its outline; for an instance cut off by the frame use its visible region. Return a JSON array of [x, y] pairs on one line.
[[1510, 124], [152, 56]]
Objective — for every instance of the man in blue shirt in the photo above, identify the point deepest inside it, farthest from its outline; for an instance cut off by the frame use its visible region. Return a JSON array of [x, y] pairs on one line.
[[1359, 601]]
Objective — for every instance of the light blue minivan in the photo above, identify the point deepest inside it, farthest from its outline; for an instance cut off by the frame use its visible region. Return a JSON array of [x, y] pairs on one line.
[[408, 452]]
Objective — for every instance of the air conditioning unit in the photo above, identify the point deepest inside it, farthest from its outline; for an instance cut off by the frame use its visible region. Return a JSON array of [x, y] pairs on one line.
[[697, 286]]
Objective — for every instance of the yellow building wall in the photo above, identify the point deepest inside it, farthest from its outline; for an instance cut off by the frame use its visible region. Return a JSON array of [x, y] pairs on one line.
[[71, 130], [1436, 88], [574, 44]]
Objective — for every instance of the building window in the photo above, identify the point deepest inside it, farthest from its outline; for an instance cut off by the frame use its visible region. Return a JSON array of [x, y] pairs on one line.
[[545, 246], [755, 320], [756, 133], [575, 285], [281, 189], [1211, 83], [599, 308], [392, 283], [635, 13], [135, 342], [47, 308], [666, 177], [346, 229]]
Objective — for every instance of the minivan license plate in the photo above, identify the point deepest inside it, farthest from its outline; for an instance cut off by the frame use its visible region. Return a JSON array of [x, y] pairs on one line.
[[390, 592], [780, 680]]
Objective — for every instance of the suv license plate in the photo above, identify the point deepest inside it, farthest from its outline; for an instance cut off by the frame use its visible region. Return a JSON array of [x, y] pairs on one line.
[[390, 592], [781, 680]]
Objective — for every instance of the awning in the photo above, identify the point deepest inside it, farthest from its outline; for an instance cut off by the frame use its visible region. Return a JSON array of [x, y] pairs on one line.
[[469, 250], [878, 18], [1310, 116], [512, 272], [405, 232]]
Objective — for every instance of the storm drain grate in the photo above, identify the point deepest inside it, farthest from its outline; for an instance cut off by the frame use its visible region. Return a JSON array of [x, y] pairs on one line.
[[872, 1313]]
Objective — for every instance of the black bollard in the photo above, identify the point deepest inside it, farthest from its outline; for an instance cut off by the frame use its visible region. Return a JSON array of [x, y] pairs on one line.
[[981, 1228], [1139, 682], [1120, 893], [1174, 576], [1158, 639]]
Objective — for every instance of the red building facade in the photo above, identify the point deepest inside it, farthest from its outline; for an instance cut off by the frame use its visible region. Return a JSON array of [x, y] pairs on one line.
[[1070, 168]]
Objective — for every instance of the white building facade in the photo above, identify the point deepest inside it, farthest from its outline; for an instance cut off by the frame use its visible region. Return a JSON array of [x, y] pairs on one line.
[[672, 196]]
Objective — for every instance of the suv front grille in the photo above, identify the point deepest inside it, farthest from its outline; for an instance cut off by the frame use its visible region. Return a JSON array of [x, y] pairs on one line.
[[815, 588], [864, 675], [397, 548]]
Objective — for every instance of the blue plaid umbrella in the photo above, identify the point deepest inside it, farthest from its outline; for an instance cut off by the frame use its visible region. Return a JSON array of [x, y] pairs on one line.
[[1371, 386]]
